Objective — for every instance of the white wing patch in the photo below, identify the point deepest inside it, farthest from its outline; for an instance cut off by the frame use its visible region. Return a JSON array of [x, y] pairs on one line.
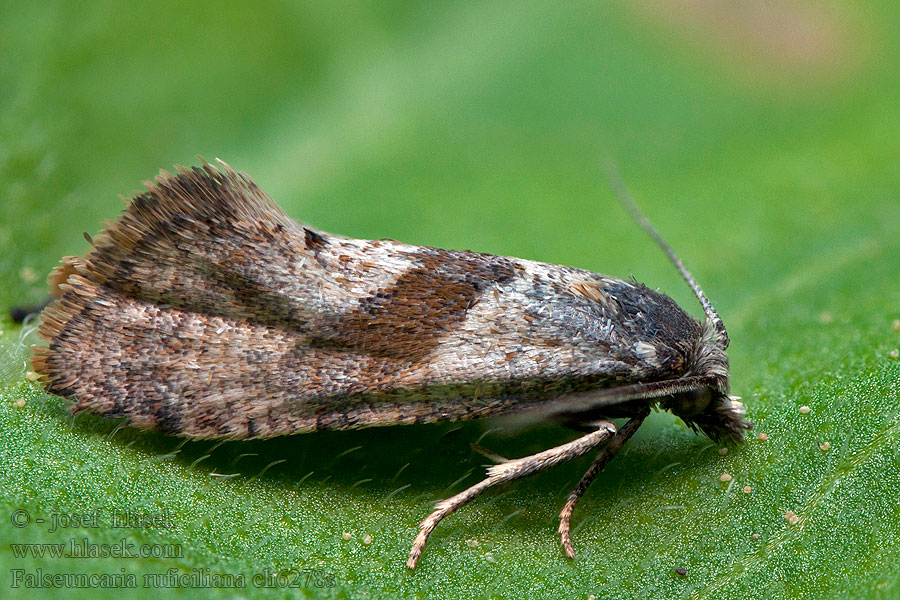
[[646, 352]]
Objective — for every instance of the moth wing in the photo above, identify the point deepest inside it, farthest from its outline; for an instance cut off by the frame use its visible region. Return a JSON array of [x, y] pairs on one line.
[[205, 311], [209, 241]]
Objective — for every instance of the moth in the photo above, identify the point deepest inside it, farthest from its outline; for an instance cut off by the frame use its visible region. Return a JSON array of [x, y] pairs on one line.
[[205, 311]]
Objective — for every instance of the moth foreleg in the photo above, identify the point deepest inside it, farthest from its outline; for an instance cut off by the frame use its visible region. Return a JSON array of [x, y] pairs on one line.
[[506, 472], [606, 453]]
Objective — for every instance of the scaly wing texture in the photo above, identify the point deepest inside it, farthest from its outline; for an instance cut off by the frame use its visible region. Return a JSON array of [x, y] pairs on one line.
[[205, 311]]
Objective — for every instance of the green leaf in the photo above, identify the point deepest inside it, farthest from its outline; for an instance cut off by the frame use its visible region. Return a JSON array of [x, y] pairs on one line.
[[762, 141]]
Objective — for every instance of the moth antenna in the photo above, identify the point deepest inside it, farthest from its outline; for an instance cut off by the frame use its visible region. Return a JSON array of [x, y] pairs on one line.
[[627, 201]]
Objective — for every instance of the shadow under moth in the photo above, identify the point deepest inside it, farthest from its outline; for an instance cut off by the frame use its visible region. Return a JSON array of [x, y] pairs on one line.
[[205, 311]]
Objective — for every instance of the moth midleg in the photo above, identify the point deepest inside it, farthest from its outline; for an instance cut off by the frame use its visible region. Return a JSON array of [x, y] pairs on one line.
[[506, 472], [604, 456]]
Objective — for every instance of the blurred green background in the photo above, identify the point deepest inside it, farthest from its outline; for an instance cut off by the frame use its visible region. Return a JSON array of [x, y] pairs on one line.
[[762, 138]]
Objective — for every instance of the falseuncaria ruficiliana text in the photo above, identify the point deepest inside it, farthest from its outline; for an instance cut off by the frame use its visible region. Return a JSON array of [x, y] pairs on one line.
[[205, 311]]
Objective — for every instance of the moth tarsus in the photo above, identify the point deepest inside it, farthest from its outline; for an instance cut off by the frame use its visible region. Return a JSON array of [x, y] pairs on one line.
[[604, 456], [506, 472], [205, 311]]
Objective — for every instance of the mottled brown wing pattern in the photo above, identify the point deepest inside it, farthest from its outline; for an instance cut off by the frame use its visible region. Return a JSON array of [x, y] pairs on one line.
[[205, 311]]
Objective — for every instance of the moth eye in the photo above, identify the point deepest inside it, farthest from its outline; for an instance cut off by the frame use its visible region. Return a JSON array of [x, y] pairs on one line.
[[689, 404]]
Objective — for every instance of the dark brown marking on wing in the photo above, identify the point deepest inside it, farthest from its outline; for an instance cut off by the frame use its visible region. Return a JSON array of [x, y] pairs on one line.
[[406, 321], [254, 297], [314, 241]]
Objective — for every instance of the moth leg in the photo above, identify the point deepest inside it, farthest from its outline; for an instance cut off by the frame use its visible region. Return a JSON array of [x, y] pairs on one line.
[[606, 453], [506, 472], [488, 453]]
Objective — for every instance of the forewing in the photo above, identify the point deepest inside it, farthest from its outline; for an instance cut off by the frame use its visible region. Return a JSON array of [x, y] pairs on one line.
[[206, 311]]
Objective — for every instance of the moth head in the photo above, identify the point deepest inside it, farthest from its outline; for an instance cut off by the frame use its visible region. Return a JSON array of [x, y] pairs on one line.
[[718, 415], [709, 408]]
